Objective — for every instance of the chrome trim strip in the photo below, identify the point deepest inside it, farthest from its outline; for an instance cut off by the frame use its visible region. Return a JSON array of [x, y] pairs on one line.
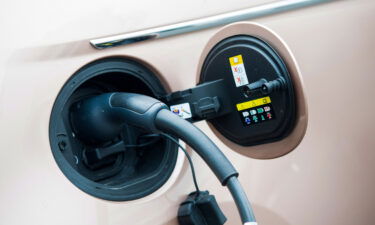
[[203, 23]]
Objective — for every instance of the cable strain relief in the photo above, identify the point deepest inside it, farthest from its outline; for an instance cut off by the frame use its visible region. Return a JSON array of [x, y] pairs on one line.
[[225, 180]]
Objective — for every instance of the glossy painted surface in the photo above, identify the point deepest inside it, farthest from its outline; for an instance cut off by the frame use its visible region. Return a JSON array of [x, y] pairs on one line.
[[328, 179], [206, 22]]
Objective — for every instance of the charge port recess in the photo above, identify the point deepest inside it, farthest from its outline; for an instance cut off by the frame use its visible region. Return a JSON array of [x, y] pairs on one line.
[[128, 167]]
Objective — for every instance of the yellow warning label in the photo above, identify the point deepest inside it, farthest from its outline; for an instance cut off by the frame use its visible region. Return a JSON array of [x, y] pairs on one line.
[[236, 60], [253, 103], [238, 70]]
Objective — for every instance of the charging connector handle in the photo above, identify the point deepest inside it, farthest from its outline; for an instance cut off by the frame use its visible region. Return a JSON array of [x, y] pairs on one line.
[[100, 118], [114, 109]]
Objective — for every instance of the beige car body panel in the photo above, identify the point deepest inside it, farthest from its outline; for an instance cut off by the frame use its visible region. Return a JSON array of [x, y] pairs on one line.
[[327, 179]]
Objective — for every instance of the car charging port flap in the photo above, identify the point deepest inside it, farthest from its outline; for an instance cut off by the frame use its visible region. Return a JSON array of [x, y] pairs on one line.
[[261, 103], [245, 92]]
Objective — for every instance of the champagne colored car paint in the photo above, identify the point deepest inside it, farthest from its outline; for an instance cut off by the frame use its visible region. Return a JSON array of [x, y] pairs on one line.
[[327, 179]]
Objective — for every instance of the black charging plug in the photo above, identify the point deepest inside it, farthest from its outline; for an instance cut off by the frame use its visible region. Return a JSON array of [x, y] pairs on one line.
[[200, 209]]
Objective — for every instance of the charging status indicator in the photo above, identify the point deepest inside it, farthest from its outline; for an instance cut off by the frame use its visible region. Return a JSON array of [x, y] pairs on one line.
[[253, 103], [257, 115]]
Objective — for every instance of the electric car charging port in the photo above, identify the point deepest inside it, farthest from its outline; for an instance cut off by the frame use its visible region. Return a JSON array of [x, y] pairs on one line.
[[129, 166]]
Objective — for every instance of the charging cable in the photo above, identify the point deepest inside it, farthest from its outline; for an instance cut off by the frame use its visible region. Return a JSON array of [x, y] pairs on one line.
[[101, 117]]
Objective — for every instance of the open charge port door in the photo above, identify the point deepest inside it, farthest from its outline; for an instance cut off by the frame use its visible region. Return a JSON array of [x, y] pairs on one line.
[[245, 92]]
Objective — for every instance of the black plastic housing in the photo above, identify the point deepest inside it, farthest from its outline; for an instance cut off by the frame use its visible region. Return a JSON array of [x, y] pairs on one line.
[[200, 209]]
